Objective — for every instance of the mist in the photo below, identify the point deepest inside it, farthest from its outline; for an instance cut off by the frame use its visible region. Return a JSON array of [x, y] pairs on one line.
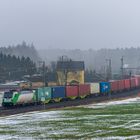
[[70, 24]]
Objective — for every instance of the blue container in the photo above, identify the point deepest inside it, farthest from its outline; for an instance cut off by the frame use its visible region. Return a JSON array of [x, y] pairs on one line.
[[104, 87], [58, 92]]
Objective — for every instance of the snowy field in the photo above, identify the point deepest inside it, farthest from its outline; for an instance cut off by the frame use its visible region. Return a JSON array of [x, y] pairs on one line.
[[108, 120]]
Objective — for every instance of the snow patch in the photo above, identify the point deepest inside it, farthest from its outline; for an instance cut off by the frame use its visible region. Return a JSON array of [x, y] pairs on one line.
[[117, 138], [111, 103]]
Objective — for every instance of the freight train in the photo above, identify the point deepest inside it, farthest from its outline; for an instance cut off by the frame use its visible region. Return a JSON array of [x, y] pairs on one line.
[[57, 93]]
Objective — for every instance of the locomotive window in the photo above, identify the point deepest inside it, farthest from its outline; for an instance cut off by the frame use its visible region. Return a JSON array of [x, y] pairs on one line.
[[8, 94]]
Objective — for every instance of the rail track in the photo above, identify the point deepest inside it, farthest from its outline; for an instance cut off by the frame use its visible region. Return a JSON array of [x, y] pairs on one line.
[[77, 102]]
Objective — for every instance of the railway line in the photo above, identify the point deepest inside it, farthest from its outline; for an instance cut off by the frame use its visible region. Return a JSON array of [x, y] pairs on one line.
[[70, 103]]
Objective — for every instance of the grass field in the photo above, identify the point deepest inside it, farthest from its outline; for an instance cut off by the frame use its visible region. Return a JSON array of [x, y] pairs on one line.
[[110, 120]]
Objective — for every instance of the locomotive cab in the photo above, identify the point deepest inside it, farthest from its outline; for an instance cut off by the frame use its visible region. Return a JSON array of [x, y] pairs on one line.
[[8, 97]]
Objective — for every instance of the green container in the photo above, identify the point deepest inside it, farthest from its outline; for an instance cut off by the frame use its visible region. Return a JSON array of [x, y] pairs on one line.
[[44, 94]]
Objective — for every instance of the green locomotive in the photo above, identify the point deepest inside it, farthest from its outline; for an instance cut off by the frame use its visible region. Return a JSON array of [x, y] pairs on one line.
[[40, 95], [13, 97]]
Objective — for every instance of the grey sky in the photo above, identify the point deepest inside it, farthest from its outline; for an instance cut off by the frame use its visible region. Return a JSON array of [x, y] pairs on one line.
[[70, 23]]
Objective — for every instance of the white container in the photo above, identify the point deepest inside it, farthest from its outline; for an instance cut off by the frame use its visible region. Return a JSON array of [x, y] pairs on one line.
[[94, 88]]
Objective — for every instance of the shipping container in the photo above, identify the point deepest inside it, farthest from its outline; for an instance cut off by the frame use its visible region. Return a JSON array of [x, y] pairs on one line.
[[104, 87], [71, 92], [132, 82], [43, 94], [114, 86], [121, 85], [137, 80], [58, 93], [127, 84], [84, 90], [94, 88]]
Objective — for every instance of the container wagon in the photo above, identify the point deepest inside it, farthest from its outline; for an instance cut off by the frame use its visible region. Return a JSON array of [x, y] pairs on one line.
[[137, 81], [72, 92], [43, 95], [58, 93], [121, 85], [133, 83], [104, 87], [127, 84], [94, 88], [114, 86], [84, 90]]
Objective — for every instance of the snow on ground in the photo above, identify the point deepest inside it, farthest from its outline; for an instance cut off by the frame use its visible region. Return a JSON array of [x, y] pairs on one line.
[[27, 117], [110, 103], [118, 138], [68, 122]]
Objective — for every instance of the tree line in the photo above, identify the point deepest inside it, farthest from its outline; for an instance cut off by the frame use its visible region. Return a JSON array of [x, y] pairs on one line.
[[23, 49], [14, 67]]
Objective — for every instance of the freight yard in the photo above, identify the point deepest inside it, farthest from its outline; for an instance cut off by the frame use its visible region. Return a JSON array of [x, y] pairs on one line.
[[71, 90], [106, 109], [69, 70]]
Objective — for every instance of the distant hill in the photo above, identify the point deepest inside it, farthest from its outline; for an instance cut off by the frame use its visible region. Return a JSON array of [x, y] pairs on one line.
[[20, 50], [96, 59]]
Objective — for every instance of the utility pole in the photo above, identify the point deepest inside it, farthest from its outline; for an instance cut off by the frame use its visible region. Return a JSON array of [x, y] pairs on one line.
[[109, 69], [122, 69], [44, 79], [109, 73], [43, 72]]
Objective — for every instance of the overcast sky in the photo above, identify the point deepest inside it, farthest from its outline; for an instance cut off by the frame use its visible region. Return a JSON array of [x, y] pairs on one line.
[[70, 24]]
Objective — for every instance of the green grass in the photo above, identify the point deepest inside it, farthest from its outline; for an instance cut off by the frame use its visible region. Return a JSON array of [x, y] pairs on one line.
[[4, 132], [79, 123]]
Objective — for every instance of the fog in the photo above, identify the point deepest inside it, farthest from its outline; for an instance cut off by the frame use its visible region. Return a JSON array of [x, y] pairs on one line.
[[70, 24]]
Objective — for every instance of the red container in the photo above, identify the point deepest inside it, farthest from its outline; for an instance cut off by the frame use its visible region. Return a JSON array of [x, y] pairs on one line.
[[127, 84], [133, 82], [84, 89], [121, 86], [71, 91], [137, 81], [138, 78], [114, 86]]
